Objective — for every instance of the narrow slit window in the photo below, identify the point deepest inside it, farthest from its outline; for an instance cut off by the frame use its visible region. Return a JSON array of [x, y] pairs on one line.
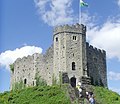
[[56, 39], [74, 37], [25, 81], [73, 65]]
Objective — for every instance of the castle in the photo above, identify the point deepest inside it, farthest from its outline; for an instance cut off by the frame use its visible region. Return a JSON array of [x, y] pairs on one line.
[[69, 58]]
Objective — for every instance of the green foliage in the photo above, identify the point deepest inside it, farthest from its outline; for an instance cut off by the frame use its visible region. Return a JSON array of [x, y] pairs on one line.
[[54, 80], [18, 85], [36, 95], [40, 81], [105, 96], [54, 95], [12, 67]]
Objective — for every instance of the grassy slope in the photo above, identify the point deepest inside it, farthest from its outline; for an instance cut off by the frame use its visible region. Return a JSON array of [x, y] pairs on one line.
[[53, 95], [105, 96], [36, 95]]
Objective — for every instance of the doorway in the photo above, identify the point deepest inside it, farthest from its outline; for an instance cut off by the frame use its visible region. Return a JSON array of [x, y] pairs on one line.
[[73, 82]]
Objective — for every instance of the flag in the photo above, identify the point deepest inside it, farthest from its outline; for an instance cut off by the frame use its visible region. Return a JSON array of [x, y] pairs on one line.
[[82, 3]]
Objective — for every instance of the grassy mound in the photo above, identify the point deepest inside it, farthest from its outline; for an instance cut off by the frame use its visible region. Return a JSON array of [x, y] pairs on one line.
[[36, 95], [105, 96], [54, 95]]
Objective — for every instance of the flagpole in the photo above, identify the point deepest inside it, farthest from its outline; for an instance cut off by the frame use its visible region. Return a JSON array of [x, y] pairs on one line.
[[80, 13]]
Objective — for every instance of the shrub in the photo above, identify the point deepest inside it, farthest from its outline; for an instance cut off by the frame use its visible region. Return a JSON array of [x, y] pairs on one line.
[[12, 67], [40, 81], [18, 85]]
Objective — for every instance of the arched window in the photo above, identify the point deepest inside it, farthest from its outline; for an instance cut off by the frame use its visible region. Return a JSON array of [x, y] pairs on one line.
[[25, 81], [73, 65]]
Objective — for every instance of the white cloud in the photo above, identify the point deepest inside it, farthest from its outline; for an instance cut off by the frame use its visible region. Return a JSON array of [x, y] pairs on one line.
[[113, 75], [105, 37], [88, 20], [55, 12], [10, 56]]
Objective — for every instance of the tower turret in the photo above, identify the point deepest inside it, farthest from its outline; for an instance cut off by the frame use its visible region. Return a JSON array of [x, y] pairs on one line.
[[70, 51]]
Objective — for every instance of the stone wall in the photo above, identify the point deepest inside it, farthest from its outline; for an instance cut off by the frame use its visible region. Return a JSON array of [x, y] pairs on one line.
[[24, 70], [69, 54], [48, 57], [40, 65], [70, 47], [96, 64]]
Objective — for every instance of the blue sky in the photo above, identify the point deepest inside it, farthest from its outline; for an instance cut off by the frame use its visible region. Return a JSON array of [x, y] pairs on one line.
[[26, 27]]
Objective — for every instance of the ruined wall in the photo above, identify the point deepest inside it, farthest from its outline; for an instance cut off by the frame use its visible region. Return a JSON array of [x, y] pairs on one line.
[[96, 64], [24, 70], [40, 65], [48, 57]]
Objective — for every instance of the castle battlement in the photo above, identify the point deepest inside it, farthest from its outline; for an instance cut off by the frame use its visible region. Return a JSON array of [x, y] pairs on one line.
[[77, 28], [96, 50]]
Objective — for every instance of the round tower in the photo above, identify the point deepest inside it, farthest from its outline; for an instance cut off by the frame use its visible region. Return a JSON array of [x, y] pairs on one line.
[[70, 52]]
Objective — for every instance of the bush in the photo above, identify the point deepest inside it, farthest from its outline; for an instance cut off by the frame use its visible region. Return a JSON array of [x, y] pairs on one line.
[[12, 67], [18, 86], [40, 81]]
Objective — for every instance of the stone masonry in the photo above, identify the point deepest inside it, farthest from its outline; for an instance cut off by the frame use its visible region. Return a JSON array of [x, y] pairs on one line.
[[69, 58]]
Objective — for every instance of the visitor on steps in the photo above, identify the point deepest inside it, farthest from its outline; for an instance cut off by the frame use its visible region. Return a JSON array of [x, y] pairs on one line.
[[91, 98], [79, 87], [87, 95]]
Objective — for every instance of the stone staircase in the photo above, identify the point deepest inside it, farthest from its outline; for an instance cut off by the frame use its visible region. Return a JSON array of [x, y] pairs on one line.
[[74, 96], [74, 93]]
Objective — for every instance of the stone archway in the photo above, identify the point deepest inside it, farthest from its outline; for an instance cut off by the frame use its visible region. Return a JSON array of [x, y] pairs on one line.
[[73, 82]]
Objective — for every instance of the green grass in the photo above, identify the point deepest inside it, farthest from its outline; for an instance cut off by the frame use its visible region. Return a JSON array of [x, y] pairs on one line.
[[36, 95], [105, 96], [54, 95]]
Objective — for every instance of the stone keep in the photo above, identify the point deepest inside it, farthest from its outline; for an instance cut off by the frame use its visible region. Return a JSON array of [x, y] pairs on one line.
[[70, 51], [69, 59]]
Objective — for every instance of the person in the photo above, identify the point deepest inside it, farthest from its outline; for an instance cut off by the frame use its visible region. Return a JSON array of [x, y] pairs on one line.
[[79, 87], [91, 98], [87, 95]]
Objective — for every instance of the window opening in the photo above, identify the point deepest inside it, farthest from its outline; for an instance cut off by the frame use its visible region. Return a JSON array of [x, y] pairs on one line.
[[74, 37], [25, 81], [73, 65], [56, 39]]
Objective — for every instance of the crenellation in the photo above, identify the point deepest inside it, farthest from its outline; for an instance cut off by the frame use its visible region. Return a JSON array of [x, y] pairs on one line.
[[17, 60], [69, 54], [77, 29]]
